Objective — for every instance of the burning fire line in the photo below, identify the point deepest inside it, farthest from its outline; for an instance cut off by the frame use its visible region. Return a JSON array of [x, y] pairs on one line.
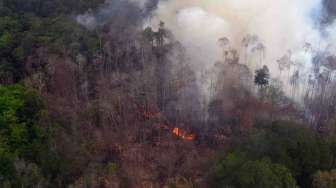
[[180, 133]]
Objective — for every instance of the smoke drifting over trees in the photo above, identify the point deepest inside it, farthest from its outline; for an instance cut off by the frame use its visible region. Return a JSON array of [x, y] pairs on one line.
[[128, 12], [281, 26]]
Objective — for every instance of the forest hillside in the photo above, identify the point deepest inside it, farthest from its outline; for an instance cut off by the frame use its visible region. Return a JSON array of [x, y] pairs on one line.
[[136, 94]]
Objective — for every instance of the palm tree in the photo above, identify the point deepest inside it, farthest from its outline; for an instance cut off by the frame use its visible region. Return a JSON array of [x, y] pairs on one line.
[[161, 34], [262, 77], [149, 35]]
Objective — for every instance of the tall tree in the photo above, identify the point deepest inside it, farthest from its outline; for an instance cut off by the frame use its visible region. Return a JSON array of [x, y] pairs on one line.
[[262, 77]]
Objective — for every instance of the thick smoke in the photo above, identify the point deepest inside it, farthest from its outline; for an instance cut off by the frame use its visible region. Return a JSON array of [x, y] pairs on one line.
[[289, 31], [285, 27], [118, 12], [329, 11]]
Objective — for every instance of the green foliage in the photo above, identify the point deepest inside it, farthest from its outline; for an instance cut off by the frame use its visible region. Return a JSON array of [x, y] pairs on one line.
[[236, 170], [9, 24], [58, 34], [25, 27], [21, 135], [6, 40], [28, 25], [49, 8], [299, 149]]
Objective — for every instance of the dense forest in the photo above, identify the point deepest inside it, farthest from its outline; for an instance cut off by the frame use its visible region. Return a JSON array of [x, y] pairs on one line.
[[116, 104]]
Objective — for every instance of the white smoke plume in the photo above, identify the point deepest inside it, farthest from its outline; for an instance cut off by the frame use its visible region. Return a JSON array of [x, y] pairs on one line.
[[129, 11], [283, 27], [288, 29]]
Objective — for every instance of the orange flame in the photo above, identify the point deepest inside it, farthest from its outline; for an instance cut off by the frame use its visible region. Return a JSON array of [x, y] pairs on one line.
[[152, 113], [182, 134]]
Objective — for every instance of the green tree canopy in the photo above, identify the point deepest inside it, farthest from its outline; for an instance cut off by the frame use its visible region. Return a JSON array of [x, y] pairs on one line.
[[22, 137], [236, 170], [298, 148]]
